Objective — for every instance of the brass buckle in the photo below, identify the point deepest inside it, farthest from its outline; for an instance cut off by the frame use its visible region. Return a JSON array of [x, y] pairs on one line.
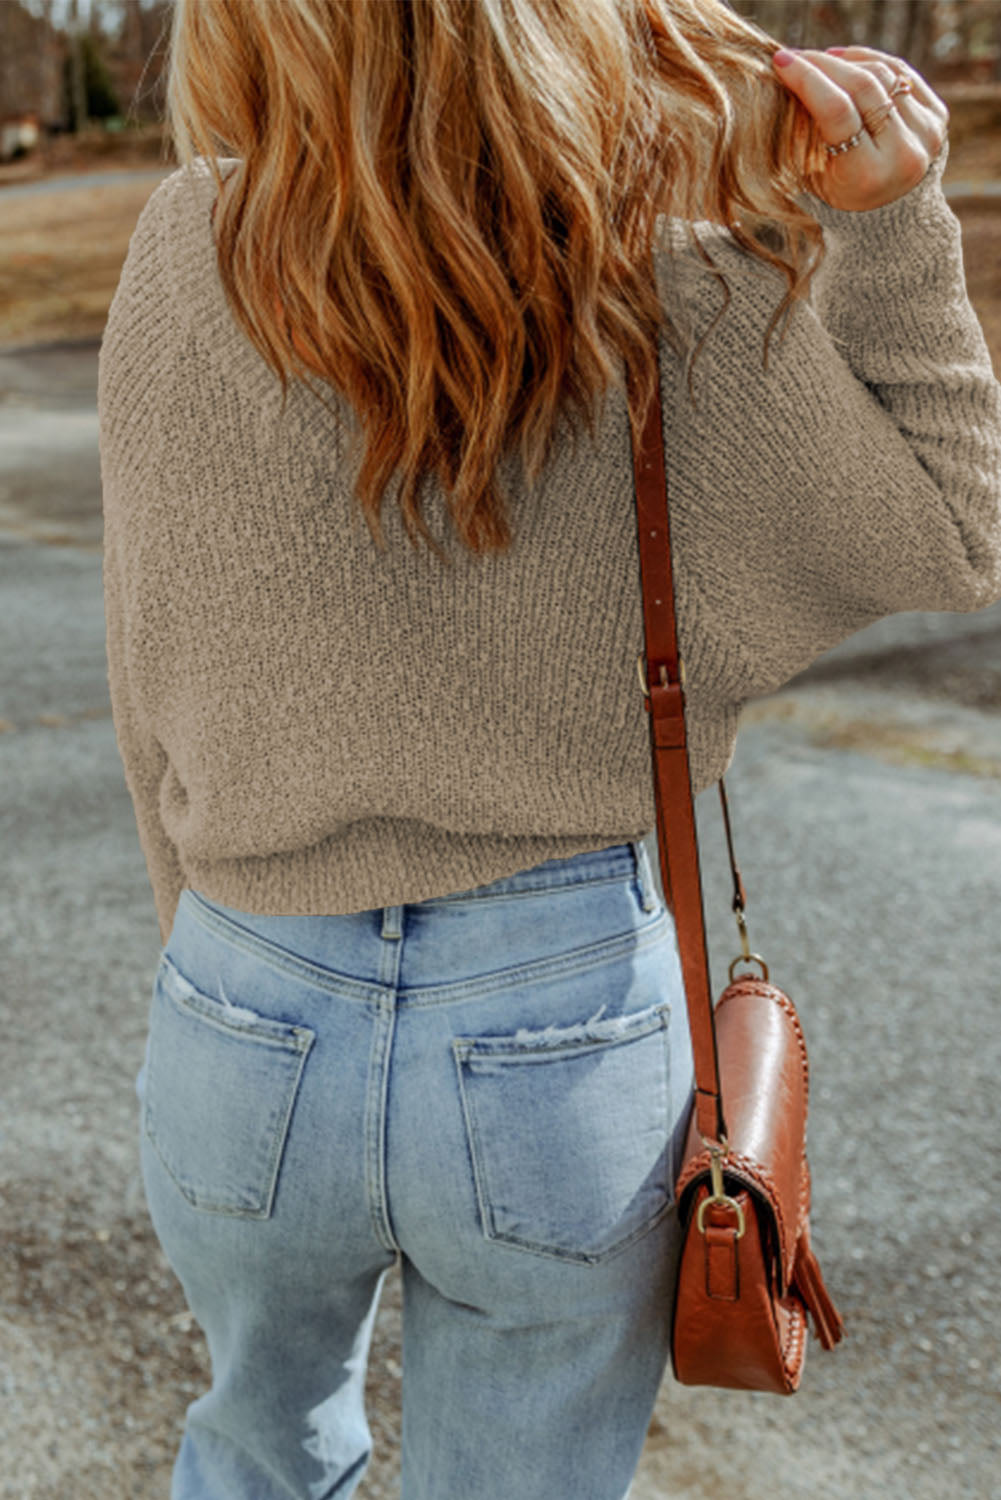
[[663, 674], [717, 1195]]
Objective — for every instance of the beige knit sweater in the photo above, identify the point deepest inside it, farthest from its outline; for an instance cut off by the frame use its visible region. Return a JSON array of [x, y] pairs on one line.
[[307, 725]]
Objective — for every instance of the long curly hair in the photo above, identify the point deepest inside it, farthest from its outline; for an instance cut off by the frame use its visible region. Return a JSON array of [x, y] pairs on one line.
[[445, 208]]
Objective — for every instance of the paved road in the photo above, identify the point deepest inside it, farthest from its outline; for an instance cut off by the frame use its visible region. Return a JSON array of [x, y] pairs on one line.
[[960, 188], [866, 800], [70, 180]]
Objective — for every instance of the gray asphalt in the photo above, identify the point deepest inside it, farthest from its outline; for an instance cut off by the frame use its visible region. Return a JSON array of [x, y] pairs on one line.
[[68, 180], [866, 806], [958, 188]]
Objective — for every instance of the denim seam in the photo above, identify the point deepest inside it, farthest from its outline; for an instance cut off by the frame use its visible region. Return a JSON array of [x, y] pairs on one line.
[[616, 878], [471, 1137], [617, 1030], [241, 1021], [560, 965], [376, 1095], [284, 961], [347, 987], [645, 880], [579, 1257]]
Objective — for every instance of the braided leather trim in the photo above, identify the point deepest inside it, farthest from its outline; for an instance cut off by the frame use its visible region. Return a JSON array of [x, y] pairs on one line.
[[792, 1349], [805, 1195], [746, 1168]]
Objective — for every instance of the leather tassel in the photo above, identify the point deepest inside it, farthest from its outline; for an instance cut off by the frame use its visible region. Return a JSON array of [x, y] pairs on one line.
[[809, 1283]]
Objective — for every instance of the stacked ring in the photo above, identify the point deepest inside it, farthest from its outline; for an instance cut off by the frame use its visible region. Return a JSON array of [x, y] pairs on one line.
[[873, 118]]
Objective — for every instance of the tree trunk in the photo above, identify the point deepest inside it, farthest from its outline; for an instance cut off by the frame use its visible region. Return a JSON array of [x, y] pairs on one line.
[[76, 70]]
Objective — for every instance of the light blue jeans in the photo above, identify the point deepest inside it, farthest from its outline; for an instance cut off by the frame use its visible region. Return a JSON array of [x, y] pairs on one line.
[[492, 1086]]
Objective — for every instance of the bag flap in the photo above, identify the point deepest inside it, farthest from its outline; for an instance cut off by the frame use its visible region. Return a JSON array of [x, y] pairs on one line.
[[764, 1078]]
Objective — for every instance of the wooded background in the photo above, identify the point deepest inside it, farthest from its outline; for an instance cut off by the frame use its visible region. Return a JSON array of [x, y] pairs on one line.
[[71, 63]]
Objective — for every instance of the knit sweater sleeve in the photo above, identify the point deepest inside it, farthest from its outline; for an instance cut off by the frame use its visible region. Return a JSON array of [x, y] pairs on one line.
[[128, 406], [861, 475]]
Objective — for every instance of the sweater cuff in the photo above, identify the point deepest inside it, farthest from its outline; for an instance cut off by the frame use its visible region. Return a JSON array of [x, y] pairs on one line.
[[881, 227]]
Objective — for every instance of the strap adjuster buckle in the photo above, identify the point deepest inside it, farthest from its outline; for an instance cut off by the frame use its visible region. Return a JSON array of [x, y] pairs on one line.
[[663, 669]]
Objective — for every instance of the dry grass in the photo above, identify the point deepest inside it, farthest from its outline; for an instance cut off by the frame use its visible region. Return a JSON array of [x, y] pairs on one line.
[[888, 739], [61, 255]]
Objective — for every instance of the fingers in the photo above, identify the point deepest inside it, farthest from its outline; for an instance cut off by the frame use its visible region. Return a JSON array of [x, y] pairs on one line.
[[921, 90], [921, 110], [897, 134], [839, 90], [836, 92]]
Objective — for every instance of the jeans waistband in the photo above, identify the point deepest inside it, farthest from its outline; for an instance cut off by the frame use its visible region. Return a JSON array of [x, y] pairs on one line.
[[620, 861], [617, 862], [623, 861]]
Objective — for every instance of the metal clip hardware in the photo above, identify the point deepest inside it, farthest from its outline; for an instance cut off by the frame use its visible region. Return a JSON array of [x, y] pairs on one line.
[[716, 1154], [745, 951], [663, 674]]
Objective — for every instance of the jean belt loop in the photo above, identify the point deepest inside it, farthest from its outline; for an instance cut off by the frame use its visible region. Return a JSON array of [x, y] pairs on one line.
[[644, 875], [392, 922]]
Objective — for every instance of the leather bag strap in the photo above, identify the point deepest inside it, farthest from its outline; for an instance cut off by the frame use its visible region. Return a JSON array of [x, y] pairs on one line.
[[677, 840]]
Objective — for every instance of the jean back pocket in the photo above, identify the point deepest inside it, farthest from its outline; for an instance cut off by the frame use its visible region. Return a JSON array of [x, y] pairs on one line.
[[220, 1085], [569, 1133]]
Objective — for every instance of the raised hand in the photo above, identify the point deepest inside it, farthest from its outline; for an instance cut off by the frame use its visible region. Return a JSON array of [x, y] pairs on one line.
[[846, 89]]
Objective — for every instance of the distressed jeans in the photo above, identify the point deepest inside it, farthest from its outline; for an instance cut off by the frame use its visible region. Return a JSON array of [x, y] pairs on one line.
[[491, 1088]]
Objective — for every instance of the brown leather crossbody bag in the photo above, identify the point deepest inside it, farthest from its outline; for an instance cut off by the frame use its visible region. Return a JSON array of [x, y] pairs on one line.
[[747, 1276]]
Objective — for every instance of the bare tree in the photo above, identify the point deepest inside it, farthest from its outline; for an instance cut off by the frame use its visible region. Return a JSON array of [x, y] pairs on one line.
[[138, 55], [79, 91], [132, 32], [30, 62], [826, 23], [915, 29]]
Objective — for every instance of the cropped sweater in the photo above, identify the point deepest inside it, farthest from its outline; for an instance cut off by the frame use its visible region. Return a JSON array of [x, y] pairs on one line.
[[309, 725]]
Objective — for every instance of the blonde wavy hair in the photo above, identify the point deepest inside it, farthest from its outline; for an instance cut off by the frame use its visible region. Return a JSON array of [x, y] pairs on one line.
[[445, 208]]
